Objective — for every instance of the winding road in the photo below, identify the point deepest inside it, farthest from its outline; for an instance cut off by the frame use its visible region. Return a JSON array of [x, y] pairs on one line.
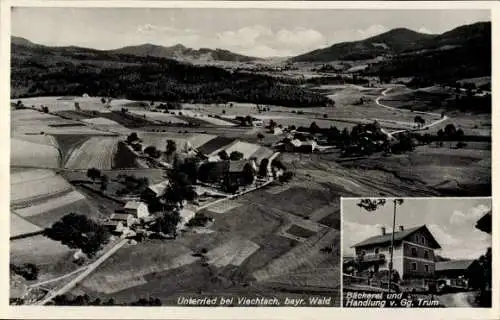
[[425, 127]]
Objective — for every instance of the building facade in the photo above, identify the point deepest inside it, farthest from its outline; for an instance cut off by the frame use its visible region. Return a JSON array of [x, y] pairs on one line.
[[413, 253]]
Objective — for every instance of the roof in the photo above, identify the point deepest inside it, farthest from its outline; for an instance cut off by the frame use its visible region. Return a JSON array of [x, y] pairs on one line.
[[398, 236], [159, 188], [453, 265], [119, 216], [132, 205], [484, 223], [186, 214]]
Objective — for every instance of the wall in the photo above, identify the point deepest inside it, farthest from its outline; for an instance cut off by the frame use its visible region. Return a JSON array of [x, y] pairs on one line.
[[408, 272], [410, 248]]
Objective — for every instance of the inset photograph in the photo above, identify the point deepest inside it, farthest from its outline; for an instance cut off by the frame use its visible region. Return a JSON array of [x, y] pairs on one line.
[[416, 252]]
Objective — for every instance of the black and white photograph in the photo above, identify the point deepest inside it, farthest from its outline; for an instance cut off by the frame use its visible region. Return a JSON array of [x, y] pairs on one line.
[[417, 252], [197, 157]]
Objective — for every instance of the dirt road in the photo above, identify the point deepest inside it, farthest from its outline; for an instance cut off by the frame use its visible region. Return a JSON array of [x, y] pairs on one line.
[[427, 126], [70, 285], [457, 300]]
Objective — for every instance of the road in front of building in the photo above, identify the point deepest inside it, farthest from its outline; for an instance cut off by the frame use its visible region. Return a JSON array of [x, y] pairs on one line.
[[458, 300]]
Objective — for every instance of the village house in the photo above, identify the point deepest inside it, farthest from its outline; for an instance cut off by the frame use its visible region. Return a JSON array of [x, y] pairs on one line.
[[413, 252], [296, 145], [136, 208], [156, 190], [185, 215], [228, 171]]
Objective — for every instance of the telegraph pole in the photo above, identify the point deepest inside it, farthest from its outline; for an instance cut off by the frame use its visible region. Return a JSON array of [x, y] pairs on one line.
[[392, 244]]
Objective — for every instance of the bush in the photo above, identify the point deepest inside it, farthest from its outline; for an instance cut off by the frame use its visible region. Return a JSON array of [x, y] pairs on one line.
[[199, 220], [236, 155], [94, 173], [28, 271]]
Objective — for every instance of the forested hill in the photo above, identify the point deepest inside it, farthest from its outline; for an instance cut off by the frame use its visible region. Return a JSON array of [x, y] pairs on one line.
[[38, 70]]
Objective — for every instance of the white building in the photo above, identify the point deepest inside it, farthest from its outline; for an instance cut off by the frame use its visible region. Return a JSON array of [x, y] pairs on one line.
[[137, 208], [185, 215], [159, 189]]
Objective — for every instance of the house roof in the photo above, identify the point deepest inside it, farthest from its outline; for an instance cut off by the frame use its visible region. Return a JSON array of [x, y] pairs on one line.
[[484, 223], [398, 236], [159, 188], [119, 216], [453, 265], [132, 205]]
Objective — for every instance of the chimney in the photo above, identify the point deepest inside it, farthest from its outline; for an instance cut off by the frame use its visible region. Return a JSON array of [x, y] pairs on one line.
[[383, 230], [401, 228]]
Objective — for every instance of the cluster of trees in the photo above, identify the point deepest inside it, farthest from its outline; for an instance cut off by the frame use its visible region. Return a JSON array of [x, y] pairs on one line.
[[169, 106], [152, 152], [79, 232], [450, 133], [132, 184], [95, 174], [199, 220], [470, 59], [234, 156], [167, 223], [28, 271], [86, 300], [150, 78]]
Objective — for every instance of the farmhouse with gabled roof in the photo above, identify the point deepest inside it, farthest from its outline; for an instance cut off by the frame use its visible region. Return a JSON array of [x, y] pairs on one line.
[[413, 252]]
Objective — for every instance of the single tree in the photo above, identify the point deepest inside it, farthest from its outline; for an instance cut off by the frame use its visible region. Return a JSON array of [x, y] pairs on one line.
[[152, 152], [260, 136], [93, 173], [223, 155], [132, 137], [104, 182], [171, 147], [264, 164], [236, 155], [314, 128]]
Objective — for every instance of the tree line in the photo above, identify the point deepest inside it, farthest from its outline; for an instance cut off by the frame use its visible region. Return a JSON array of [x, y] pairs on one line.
[[155, 79]]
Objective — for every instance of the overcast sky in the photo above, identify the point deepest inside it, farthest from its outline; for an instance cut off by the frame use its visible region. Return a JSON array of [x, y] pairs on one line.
[[255, 32], [451, 221]]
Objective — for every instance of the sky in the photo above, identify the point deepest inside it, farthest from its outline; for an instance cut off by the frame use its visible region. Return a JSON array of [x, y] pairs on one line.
[[254, 32], [451, 221]]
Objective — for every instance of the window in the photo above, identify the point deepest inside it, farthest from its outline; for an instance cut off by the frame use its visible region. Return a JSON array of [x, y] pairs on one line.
[[377, 250], [423, 240], [426, 268], [417, 238], [426, 254], [414, 266], [413, 252]]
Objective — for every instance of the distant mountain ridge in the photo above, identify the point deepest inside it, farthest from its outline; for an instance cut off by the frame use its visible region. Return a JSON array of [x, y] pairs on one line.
[[397, 41], [178, 51], [181, 52]]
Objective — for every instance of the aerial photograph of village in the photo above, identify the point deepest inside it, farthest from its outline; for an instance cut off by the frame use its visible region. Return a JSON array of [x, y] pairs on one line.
[[198, 156], [437, 251]]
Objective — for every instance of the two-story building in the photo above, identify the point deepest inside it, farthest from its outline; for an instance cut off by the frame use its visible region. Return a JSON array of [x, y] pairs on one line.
[[413, 252]]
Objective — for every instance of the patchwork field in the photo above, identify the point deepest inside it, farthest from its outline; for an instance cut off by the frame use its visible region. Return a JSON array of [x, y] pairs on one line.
[[96, 152], [51, 257], [36, 185], [19, 226], [31, 154]]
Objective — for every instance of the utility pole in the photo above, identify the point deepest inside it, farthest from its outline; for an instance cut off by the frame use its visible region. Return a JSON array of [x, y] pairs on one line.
[[392, 244]]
